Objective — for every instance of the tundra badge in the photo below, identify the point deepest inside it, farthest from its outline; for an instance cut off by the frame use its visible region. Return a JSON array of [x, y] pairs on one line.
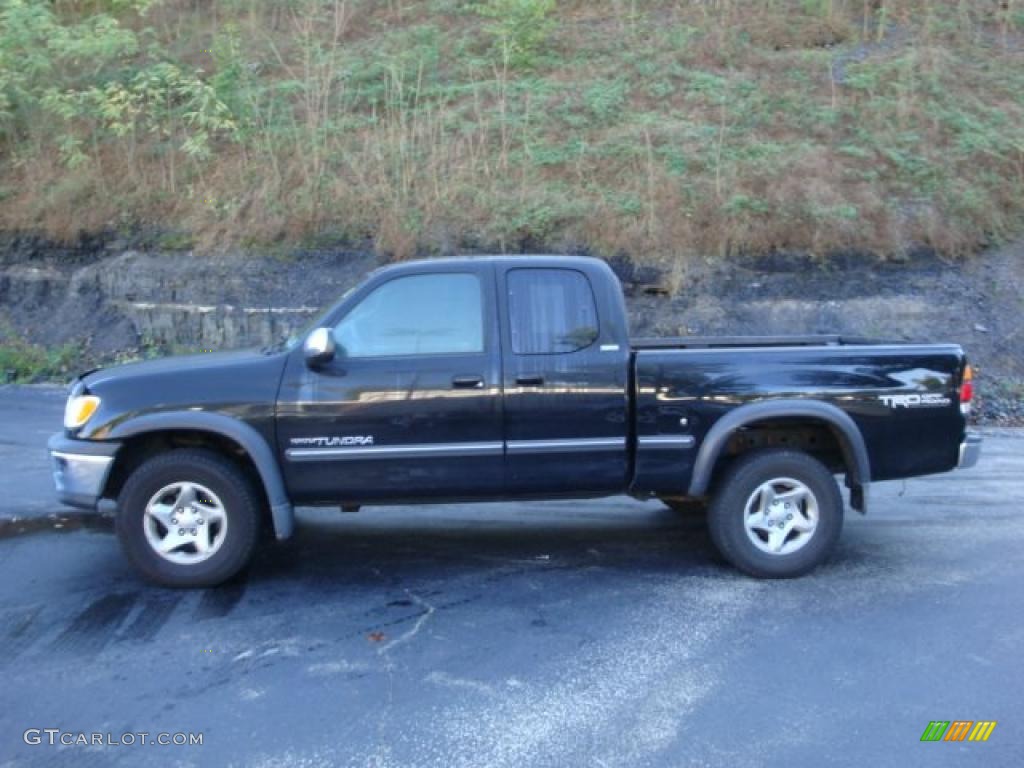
[[330, 442]]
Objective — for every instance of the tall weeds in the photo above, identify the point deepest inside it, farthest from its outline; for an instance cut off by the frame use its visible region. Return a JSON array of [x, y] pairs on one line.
[[661, 129]]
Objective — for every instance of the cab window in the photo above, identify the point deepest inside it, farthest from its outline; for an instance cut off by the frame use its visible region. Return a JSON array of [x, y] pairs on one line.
[[551, 311], [437, 314]]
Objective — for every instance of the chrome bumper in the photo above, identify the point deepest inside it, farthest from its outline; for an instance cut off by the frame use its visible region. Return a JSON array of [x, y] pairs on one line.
[[970, 451], [80, 469]]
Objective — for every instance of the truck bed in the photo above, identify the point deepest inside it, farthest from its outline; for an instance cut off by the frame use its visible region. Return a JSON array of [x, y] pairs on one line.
[[719, 342], [903, 398]]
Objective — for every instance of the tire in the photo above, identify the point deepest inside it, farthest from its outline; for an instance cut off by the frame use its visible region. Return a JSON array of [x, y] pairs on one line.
[[199, 506], [775, 541], [686, 507]]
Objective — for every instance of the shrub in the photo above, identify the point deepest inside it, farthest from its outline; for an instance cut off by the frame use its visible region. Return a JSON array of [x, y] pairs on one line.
[[520, 27]]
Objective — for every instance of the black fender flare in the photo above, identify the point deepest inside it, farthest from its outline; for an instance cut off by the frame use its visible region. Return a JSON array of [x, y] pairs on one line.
[[251, 441], [851, 441]]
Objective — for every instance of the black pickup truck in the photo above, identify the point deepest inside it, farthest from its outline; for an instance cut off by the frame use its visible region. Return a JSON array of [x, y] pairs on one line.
[[492, 378]]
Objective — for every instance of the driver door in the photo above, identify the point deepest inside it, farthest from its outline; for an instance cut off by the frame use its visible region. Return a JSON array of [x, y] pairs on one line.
[[410, 407]]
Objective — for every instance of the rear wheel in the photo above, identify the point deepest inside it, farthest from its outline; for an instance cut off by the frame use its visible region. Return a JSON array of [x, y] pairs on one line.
[[776, 514], [188, 518]]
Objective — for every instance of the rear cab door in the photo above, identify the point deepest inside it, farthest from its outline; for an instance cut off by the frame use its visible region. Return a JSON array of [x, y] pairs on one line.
[[565, 370]]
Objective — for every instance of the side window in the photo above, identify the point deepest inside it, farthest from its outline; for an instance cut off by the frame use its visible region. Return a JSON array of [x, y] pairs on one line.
[[416, 315], [551, 311]]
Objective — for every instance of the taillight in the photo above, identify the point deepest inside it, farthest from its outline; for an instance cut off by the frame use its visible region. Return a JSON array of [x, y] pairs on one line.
[[967, 390]]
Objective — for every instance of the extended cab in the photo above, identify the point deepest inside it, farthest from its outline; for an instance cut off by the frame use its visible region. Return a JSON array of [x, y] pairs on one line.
[[490, 378]]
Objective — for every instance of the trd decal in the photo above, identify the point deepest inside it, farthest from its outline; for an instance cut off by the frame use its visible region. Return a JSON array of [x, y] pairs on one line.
[[930, 400]]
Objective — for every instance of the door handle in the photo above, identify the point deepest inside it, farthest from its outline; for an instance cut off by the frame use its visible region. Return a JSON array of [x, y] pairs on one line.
[[530, 380], [468, 382]]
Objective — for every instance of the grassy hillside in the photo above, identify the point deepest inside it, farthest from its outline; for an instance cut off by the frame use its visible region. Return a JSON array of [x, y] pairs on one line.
[[661, 129]]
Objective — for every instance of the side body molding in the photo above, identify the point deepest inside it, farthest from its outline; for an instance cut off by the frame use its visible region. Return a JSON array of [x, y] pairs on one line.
[[252, 441], [855, 453]]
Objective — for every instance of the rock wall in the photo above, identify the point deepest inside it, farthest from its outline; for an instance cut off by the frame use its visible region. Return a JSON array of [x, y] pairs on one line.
[[111, 298], [119, 300]]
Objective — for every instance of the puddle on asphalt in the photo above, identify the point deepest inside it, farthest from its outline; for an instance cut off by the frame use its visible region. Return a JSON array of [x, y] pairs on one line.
[[62, 523]]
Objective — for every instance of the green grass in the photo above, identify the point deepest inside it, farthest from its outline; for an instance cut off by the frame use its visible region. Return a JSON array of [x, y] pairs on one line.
[[659, 129]]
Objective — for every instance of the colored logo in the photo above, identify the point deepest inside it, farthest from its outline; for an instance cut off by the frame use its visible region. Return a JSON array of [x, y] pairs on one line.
[[958, 730]]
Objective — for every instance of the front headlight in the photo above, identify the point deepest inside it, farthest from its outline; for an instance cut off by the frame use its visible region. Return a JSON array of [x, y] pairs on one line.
[[79, 409]]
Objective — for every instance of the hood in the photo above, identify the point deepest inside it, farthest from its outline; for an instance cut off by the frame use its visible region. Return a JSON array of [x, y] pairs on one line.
[[241, 384], [175, 366]]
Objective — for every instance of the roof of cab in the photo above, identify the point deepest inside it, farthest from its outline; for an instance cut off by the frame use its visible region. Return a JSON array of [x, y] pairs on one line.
[[500, 260]]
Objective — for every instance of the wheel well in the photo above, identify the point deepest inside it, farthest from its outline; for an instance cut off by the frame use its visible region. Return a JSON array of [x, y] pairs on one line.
[[810, 436], [138, 449]]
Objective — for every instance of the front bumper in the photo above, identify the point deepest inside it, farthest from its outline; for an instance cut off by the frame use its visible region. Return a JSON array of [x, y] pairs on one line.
[[80, 469], [970, 450]]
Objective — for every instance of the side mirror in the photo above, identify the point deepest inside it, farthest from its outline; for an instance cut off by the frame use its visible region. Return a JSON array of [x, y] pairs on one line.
[[319, 347]]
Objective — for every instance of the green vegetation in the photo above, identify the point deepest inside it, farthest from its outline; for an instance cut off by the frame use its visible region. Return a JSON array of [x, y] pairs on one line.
[[520, 28], [22, 362], [658, 128]]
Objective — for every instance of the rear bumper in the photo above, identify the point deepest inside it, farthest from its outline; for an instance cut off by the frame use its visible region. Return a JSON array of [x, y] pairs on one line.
[[970, 450], [80, 469]]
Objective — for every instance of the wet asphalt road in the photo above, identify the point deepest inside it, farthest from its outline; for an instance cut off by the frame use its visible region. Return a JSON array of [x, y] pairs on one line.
[[557, 634]]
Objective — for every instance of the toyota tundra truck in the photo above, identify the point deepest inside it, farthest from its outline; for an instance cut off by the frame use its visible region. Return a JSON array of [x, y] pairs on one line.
[[501, 378]]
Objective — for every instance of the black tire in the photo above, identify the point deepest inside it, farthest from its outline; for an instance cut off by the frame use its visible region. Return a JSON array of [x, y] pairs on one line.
[[737, 487], [687, 507], [237, 494]]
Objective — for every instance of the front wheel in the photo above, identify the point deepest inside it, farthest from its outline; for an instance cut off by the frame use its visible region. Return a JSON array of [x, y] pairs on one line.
[[776, 514], [188, 518]]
